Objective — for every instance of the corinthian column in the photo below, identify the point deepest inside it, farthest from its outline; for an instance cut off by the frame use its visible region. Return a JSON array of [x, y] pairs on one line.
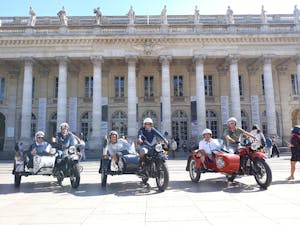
[[95, 140], [200, 93], [131, 106], [27, 102], [235, 89], [166, 96], [62, 91], [269, 96]]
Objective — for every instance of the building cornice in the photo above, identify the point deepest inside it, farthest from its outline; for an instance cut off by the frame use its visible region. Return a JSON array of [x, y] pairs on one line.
[[183, 40]]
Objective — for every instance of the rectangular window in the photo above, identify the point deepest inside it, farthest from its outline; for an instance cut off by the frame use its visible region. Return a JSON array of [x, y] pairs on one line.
[[148, 86], [33, 87], [88, 87], [56, 87], [2, 88], [262, 84], [119, 86], [294, 81], [178, 85], [208, 85], [241, 86]]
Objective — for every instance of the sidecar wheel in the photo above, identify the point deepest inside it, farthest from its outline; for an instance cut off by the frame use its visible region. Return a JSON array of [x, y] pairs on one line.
[[262, 173], [103, 178], [193, 171], [162, 179], [230, 177], [60, 177], [17, 179], [145, 180], [75, 176]]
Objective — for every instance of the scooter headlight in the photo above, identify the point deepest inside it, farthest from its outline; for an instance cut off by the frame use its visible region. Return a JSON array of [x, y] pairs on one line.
[[52, 151], [159, 148], [220, 163], [72, 150]]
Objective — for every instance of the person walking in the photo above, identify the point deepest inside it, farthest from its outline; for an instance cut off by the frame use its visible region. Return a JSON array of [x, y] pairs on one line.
[[174, 146], [295, 149], [275, 149]]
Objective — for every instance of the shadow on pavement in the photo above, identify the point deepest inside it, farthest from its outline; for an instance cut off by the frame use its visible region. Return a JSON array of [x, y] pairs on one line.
[[213, 185]]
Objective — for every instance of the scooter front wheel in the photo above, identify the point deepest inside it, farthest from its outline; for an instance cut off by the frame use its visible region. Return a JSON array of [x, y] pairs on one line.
[[262, 173], [162, 179], [103, 178], [17, 179], [75, 176]]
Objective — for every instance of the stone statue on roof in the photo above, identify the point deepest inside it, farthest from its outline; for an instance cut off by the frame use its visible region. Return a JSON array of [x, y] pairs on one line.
[[163, 15], [131, 15], [263, 15], [229, 14], [98, 15], [32, 19], [63, 17], [296, 14], [196, 15]]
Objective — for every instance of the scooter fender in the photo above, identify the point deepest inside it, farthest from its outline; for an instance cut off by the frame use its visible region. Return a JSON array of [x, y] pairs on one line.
[[163, 157], [258, 154]]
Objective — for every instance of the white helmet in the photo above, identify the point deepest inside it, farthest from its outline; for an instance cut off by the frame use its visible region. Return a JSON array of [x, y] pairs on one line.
[[207, 131], [39, 134], [148, 120], [113, 133], [232, 119], [64, 125]]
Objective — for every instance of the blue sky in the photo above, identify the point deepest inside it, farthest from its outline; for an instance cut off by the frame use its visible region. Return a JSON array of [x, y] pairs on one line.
[[144, 7]]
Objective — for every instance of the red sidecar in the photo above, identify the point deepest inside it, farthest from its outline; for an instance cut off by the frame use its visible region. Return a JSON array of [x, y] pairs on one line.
[[222, 162]]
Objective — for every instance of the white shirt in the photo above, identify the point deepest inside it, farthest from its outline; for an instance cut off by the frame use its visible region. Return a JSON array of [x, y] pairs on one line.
[[208, 146]]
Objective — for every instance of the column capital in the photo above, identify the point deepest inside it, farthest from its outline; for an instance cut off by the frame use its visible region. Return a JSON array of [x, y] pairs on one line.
[[165, 59], [199, 58], [97, 59], [267, 58], [297, 58], [131, 59], [28, 60], [233, 58], [282, 69], [62, 59]]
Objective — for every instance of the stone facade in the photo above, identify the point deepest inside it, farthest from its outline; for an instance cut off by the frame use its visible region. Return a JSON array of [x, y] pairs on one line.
[[187, 75]]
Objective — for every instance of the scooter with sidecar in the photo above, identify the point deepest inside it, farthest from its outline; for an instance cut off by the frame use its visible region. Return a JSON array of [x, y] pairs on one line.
[[153, 166], [248, 161]]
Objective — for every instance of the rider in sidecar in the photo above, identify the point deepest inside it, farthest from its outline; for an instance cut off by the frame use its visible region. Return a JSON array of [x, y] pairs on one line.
[[38, 160], [206, 145], [38, 147], [114, 149]]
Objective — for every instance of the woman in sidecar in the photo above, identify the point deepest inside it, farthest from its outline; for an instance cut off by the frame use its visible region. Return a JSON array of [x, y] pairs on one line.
[[113, 149]]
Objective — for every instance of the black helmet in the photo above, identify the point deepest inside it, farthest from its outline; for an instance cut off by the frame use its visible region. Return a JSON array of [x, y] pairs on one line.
[[296, 129]]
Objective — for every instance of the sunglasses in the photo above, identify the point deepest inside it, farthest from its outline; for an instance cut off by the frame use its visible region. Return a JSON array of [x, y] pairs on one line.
[[148, 124]]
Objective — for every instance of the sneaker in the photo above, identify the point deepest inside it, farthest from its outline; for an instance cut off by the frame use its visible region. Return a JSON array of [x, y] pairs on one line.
[[290, 178]]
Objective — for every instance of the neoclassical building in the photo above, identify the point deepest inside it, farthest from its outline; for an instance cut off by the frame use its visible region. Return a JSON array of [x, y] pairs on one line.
[[186, 72]]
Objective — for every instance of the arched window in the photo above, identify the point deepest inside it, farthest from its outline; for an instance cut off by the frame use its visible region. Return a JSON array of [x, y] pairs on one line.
[[245, 120], [33, 125], [85, 125], [180, 125], [153, 116], [119, 122], [212, 122]]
